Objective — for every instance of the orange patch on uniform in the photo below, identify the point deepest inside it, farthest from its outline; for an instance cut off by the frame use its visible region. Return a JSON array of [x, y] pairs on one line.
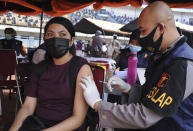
[[164, 80]]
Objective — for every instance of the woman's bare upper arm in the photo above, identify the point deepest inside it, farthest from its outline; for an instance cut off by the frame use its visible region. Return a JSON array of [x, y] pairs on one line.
[[80, 105], [84, 71]]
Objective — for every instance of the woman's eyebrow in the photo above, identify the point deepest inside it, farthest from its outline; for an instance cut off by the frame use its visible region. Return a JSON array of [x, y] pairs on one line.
[[62, 31], [49, 31]]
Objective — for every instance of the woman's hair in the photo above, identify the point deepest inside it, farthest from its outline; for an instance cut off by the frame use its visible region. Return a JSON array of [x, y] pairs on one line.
[[67, 24]]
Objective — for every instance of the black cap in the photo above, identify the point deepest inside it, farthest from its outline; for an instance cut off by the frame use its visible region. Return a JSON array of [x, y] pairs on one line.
[[135, 35]]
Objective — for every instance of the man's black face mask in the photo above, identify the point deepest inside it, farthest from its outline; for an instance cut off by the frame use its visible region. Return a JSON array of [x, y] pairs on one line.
[[57, 47], [148, 43]]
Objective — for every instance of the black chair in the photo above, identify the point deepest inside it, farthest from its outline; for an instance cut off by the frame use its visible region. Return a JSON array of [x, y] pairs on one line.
[[7, 69], [13, 75]]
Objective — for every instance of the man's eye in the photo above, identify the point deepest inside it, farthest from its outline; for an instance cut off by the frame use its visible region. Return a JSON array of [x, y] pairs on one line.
[[142, 32]]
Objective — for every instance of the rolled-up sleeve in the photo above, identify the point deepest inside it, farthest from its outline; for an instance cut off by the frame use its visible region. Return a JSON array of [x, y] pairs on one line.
[[132, 116]]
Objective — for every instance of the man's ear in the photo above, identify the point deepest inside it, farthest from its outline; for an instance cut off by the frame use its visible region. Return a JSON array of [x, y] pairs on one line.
[[162, 28]]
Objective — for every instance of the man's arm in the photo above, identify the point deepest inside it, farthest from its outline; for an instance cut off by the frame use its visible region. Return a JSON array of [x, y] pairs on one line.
[[117, 116], [135, 94], [144, 115], [132, 116]]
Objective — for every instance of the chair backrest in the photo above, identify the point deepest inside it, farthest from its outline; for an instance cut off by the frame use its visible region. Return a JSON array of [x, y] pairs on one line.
[[99, 77], [8, 62], [22, 70]]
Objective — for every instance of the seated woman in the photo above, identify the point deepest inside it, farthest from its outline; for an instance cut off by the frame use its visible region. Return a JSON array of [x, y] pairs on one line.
[[51, 97]]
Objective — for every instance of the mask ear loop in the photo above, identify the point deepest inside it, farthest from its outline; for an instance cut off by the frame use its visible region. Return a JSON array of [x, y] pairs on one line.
[[161, 36]]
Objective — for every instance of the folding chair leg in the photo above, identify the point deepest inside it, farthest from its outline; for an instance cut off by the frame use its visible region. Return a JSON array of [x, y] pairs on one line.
[[9, 94], [19, 95]]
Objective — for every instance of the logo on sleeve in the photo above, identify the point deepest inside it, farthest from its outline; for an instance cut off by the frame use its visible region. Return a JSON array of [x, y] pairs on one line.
[[164, 80], [158, 95], [162, 99]]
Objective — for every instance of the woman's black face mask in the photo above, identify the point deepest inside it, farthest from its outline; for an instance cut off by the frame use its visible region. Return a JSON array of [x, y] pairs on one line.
[[57, 47], [148, 43]]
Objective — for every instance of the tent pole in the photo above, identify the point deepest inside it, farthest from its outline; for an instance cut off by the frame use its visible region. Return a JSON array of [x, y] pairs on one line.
[[41, 22]]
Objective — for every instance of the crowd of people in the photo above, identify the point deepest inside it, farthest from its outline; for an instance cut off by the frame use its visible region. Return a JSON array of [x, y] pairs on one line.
[[21, 20], [61, 91]]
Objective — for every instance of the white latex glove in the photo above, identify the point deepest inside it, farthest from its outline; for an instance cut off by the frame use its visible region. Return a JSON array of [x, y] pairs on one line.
[[91, 93], [38, 56], [119, 84]]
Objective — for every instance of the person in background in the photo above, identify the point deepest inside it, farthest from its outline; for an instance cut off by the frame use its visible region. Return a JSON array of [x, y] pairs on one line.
[[79, 45], [116, 45], [50, 96], [79, 51], [113, 48], [11, 43], [165, 101], [143, 58], [97, 43], [121, 63], [142, 54]]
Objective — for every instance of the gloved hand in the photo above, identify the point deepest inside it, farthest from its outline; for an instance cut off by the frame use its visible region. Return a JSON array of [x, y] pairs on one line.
[[39, 55], [91, 93], [119, 84]]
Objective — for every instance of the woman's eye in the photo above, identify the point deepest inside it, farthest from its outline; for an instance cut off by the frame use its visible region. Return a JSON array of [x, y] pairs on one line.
[[49, 34], [62, 34]]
